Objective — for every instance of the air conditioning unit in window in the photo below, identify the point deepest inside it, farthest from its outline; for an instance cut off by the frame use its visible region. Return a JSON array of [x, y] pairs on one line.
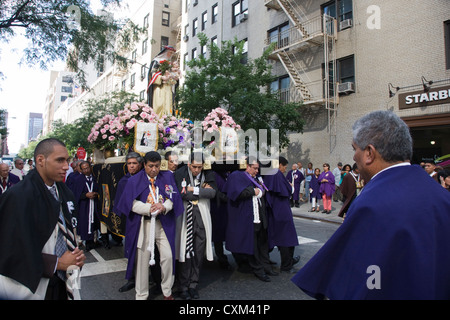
[[346, 87], [243, 17], [344, 24]]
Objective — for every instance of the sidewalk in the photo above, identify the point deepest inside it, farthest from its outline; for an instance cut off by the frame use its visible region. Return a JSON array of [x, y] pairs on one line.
[[333, 217]]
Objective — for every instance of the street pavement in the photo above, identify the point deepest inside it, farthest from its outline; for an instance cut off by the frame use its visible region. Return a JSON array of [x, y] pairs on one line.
[[104, 270]]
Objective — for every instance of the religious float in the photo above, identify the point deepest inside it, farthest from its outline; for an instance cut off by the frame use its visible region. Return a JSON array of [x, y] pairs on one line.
[[157, 126]]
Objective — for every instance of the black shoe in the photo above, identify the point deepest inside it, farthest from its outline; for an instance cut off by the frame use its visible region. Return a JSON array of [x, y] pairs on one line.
[[291, 270], [185, 295], [127, 286], [194, 293], [295, 260], [271, 273], [263, 277]]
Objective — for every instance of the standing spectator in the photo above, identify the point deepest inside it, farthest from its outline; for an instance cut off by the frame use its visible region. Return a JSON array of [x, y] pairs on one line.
[[350, 187], [37, 242], [392, 244], [444, 178], [314, 191], [197, 187], [430, 168], [337, 178], [327, 187], [29, 166], [18, 168], [309, 172], [295, 178], [7, 178]]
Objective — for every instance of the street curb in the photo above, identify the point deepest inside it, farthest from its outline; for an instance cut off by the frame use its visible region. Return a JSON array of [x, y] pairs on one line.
[[302, 212]]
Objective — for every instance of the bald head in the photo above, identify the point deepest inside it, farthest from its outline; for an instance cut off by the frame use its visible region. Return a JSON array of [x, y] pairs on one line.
[[4, 170]]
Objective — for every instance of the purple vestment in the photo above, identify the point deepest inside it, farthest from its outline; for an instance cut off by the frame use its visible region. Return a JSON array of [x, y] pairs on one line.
[[295, 177], [327, 188], [218, 209], [137, 188], [394, 243], [281, 228], [314, 184]]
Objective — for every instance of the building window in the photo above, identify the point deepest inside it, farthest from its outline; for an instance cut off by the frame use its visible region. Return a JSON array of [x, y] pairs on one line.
[[165, 18], [143, 71], [203, 50], [63, 98], [194, 27], [164, 42], [133, 56], [447, 43], [345, 73], [341, 10], [142, 95], [67, 79], [124, 85], [281, 86], [279, 35], [144, 46], [214, 40], [244, 51], [204, 19], [133, 80], [215, 13], [145, 25], [194, 53], [185, 60], [66, 89], [239, 11]]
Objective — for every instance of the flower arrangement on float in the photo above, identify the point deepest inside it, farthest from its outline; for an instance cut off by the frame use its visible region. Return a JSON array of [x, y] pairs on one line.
[[173, 132]]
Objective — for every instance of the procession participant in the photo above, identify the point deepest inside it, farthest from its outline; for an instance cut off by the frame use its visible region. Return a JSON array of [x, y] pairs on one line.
[[7, 178], [197, 187], [396, 248], [18, 168], [219, 218], [85, 190], [295, 178], [133, 162], [247, 219], [34, 246], [151, 203], [327, 187], [73, 175], [281, 231], [172, 161]]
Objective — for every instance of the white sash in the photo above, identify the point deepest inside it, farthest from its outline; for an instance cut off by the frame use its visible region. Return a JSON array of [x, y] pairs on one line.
[[151, 241], [91, 206]]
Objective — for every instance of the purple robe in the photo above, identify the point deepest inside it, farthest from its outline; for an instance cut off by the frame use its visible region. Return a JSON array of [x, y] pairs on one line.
[[314, 184], [390, 236], [79, 189], [327, 188], [219, 216], [281, 228], [137, 187], [296, 177], [12, 180], [240, 229]]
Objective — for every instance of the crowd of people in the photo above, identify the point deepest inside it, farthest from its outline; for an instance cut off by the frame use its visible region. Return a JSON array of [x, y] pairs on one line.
[[176, 218]]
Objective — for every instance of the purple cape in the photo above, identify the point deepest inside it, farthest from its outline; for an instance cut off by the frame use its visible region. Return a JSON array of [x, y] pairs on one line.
[[218, 210], [79, 188], [398, 225], [239, 234], [314, 184], [281, 223], [298, 178], [137, 187], [327, 188]]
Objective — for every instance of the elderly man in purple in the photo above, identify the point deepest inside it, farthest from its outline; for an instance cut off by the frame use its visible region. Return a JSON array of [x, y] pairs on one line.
[[281, 231], [7, 179], [295, 178], [152, 203], [392, 244], [247, 219]]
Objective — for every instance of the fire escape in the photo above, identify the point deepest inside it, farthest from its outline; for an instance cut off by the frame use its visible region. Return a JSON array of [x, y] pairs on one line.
[[295, 46]]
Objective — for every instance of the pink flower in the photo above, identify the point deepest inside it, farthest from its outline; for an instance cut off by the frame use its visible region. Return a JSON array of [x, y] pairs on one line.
[[111, 138], [104, 136]]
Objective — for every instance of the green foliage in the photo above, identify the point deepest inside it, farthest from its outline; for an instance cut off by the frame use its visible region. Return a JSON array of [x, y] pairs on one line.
[[225, 79], [46, 25]]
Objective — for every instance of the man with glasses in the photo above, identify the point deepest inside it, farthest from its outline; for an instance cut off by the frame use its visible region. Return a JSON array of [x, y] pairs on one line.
[[18, 170]]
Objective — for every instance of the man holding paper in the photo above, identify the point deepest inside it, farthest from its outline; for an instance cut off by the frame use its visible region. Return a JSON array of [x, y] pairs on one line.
[[152, 202]]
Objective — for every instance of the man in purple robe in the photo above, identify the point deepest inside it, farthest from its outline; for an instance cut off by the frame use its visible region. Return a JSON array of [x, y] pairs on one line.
[[247, 219], [133, 162], [281, 231], [151, 203], [7, 179], [392, 244], [295, 178], [85, 190]]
